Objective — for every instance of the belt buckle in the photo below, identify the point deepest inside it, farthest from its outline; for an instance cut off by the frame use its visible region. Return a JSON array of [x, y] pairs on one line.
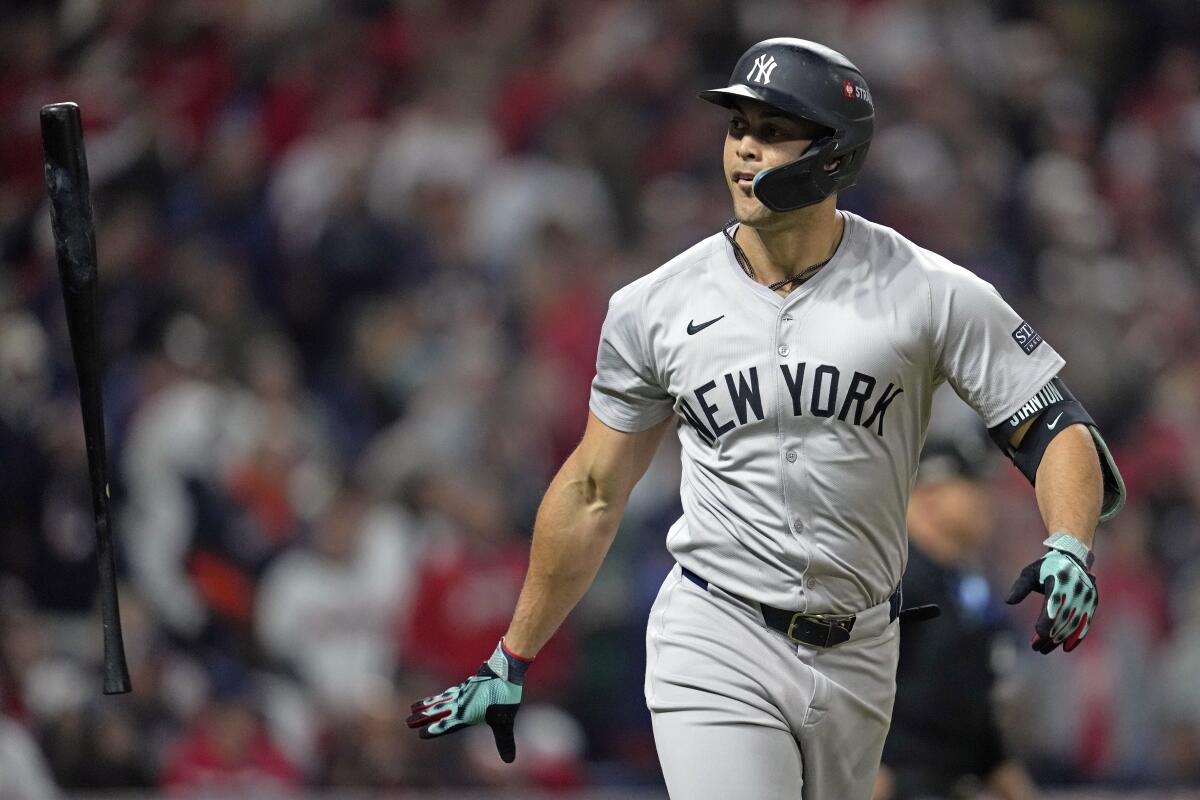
[[830, 623], [792, 626]]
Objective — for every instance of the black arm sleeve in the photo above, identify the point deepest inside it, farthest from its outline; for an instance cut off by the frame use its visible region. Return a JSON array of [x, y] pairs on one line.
[[1056, 409]]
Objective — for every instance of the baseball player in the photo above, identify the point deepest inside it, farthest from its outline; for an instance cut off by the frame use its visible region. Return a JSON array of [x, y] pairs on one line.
[[796, 352]]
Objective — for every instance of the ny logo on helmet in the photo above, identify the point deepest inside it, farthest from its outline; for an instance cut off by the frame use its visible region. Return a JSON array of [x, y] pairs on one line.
[[764, 65]]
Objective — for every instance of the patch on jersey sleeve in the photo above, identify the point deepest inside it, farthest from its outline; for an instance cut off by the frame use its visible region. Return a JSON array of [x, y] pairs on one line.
[[1026, 337]]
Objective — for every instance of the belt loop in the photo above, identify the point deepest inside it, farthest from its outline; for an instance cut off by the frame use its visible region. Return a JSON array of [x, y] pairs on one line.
[[895, 603]]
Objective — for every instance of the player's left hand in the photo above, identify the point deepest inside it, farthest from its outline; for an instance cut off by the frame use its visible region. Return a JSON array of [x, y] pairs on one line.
[[492, 696], [1070, 590]]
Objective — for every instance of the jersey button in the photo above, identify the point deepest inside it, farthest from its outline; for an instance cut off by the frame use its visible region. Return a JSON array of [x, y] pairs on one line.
[[798, 526], [790, 456], [787, 319], [783, 350], [811, 583]]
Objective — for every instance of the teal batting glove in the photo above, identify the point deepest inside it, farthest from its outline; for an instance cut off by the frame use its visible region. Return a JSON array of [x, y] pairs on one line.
[[492, 695], [1071, 594]]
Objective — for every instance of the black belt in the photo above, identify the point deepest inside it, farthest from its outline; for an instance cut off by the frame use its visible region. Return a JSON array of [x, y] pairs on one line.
[[819, 630]]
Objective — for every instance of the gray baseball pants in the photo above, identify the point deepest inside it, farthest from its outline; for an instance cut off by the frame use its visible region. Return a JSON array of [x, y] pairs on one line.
[[740, 712]]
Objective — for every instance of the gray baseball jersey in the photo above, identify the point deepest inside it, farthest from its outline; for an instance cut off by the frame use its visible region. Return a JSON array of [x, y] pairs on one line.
[[802, 418]]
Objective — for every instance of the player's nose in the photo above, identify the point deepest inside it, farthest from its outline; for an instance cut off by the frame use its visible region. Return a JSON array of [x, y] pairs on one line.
[[749, 148]]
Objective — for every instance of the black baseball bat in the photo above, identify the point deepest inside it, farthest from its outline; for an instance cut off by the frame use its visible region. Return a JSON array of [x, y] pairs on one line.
[[75, 246]]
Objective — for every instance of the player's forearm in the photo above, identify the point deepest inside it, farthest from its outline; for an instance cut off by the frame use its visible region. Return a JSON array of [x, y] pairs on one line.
[[575, 526], [1070, 488]]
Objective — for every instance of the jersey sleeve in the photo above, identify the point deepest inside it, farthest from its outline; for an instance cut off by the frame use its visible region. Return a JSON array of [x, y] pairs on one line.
[[626, 395], [994, 359]]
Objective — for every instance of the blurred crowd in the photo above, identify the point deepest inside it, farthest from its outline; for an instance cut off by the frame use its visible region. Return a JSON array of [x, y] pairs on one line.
[[354, 260]]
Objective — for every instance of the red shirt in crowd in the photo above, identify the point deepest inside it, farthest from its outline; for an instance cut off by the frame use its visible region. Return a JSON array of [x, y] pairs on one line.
[[230, 755], [463, 604]]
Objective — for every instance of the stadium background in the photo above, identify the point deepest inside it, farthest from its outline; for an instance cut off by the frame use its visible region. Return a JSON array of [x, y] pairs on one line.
[[354, 260]]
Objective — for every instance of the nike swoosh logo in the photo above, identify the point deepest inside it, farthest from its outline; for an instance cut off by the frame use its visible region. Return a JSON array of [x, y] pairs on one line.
[[1050, 425], [693, 328]]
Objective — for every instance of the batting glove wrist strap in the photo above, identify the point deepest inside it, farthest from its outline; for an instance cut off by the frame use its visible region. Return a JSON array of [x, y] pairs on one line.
[[492, 695], [508, 665], [1066, 543]]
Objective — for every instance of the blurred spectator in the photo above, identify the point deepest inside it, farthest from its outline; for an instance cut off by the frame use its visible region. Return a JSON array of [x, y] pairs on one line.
[[372, 748], [468, 583], [23, 771], [327, 609], [1179, 697], [24, 468], [176, 436], [227, 750], [96, 748], [220, 479]]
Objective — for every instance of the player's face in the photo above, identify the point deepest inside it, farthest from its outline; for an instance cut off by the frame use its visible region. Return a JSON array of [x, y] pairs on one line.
[[759, 137]]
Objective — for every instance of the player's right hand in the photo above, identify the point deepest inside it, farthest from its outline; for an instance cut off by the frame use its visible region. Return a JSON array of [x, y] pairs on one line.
[[492, 695]]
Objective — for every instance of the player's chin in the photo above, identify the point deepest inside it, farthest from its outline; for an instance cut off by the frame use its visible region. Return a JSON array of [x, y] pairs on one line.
[[749, 210], [743, 199]]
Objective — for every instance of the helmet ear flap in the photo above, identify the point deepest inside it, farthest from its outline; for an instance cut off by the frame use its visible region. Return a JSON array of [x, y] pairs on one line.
[[850, 164], [811, 178], [799, 183]]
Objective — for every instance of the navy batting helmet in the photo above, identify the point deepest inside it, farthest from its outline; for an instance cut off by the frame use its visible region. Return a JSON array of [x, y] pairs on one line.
[[813, 82]]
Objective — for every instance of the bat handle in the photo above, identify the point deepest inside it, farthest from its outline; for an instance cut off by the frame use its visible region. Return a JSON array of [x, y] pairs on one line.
[[116, 670]]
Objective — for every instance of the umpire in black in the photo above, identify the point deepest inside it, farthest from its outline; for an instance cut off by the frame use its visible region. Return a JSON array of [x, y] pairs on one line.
[[944, 741]]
